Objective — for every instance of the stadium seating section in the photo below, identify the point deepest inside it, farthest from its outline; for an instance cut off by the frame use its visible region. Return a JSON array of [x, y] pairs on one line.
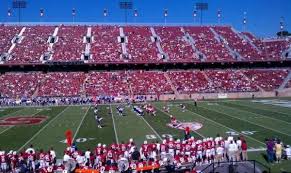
[[19, 85], [26, 44]]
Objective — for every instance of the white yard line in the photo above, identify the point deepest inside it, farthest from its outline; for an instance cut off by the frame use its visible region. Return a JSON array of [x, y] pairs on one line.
[[169, 115], [14, 126], [114, 127], [36, 134], [261, 114], [152, 128], [247, 121], [226, 127], [80, 124]]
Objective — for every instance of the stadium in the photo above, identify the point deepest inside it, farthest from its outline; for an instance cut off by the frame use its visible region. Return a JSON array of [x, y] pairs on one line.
[[145, 86]]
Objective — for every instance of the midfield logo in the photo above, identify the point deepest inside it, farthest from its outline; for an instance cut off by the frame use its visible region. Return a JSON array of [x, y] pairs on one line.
[[182, 126], [22, 120]]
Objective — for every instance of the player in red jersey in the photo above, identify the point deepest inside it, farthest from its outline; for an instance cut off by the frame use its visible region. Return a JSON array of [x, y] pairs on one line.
[[3, 161], [174, 121]]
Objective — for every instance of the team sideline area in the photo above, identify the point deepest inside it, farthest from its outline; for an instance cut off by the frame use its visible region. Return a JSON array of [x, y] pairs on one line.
[[249, 120]]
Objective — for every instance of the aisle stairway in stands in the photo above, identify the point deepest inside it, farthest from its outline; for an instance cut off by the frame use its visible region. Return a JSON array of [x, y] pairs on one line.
[[235, 55], [286, 81]]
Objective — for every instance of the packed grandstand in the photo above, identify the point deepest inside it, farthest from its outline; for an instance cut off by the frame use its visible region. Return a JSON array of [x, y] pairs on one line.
[[40, 45], [29, 54]]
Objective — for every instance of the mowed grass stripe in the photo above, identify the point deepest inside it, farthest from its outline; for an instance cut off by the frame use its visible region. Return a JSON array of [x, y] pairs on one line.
[[212, 127], [54, 132], [270, 107], [255, 120], [225, 123], [254, 108], [131, 126], [6, 112], [259, 114], [92, 133], [238, 124], [18, 135], [179, 115], [28, 142]]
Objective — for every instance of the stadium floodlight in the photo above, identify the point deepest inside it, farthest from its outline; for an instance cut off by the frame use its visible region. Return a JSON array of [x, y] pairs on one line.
[[105, 12], [9, 12], [195, 15], [165, 15], [41, 12], [135, 14], [219, 16], [125, 5], [281, 25], [73, 14], [245, 21], [202, 7], [19, 4]]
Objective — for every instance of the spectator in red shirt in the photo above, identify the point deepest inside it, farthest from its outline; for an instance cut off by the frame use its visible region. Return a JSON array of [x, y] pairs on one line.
[[244, 148]]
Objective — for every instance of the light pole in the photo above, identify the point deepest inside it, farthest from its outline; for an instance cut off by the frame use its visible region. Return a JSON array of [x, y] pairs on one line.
[[105, 14], [73, 14], [165, 15], [219, 16], [41, 14], [9, 14], [245, 21], [125, 5], [135, 14], [281, 26], [194, 15]]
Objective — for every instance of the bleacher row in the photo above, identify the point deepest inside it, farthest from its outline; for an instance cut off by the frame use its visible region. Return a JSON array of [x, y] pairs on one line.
[[144, 44], [126, 83]]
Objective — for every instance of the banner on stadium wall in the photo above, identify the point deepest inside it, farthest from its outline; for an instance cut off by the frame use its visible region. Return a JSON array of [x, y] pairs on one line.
[[222, 95]]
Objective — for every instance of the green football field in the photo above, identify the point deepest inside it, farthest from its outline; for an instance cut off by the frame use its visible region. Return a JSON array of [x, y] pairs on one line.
[[255, 119]]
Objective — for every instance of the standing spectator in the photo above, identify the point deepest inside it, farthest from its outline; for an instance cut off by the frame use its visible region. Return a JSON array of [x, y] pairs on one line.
[[270, 150], [278, 150], [244, 148], [288, 152]]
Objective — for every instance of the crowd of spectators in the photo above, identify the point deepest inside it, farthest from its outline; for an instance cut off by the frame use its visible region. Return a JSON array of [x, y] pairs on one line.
[[206, 42], [231, 81], [105, 47], [69, 46], [149, 83], [268, 80], [140, 46], [175, 45], [170, 154], [238, 44], [33, 45], [188, 82], [7, 33]]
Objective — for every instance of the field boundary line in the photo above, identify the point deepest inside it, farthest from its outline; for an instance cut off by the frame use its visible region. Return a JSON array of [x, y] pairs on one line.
[[226, 127], [14, 126], [152, 128], [80, 124], [37, 133], [256, 114], [169, 115], [247, 121], [114, 126], [263, 110]]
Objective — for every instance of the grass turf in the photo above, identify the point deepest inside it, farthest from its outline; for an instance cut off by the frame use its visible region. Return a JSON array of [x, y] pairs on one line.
[[217, 117]]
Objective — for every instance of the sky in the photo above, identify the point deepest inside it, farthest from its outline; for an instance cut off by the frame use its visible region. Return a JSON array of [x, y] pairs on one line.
[[263, 16]]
